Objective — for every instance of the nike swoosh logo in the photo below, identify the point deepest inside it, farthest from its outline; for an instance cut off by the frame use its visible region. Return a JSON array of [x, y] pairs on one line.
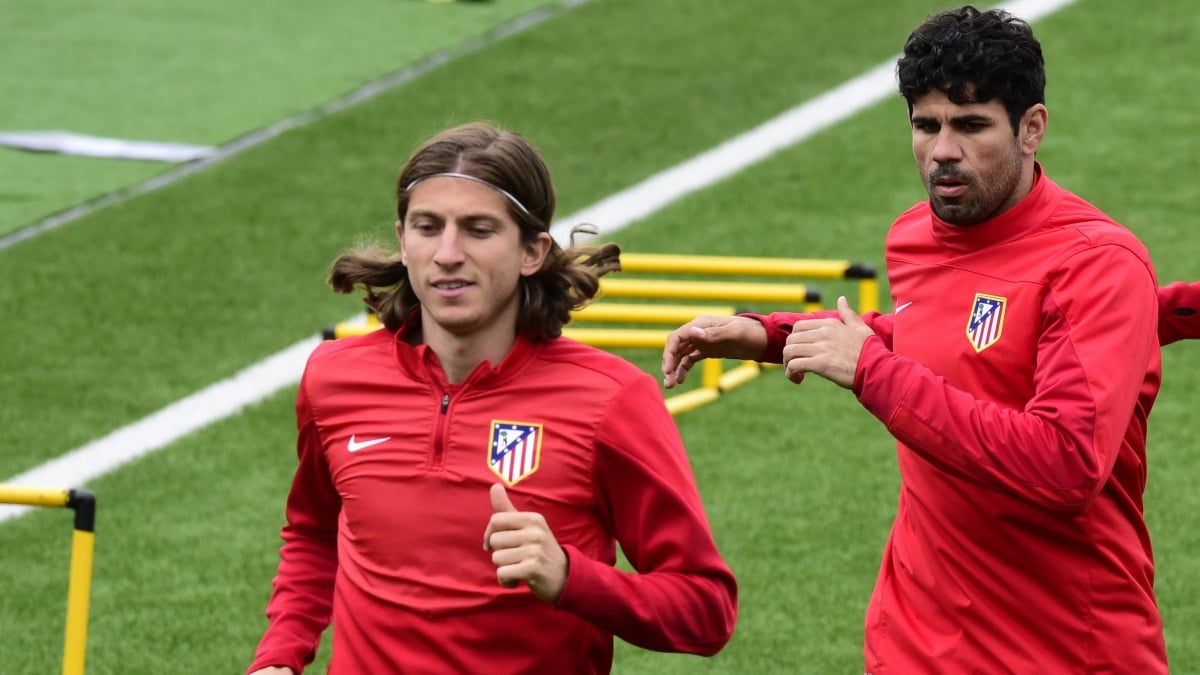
[[902, 307], [355, 446]]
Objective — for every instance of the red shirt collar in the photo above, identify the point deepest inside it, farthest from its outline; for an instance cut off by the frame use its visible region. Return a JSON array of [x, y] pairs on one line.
[[1027, 214], [421, 363]]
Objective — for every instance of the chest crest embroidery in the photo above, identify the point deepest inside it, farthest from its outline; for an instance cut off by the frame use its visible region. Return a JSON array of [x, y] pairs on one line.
[[986, 322], [515, 450]]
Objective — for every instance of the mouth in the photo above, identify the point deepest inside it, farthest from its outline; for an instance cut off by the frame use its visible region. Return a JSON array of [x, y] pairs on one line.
[[947, 187], [450, 287]]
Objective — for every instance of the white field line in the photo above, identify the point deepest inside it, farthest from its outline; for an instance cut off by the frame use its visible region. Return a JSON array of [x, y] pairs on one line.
[[283, 369], [261, 136], [85, 145], [795, 125]]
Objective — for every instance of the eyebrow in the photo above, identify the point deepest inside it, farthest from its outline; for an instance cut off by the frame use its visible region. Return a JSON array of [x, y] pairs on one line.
[[470, 217], [966, 118]]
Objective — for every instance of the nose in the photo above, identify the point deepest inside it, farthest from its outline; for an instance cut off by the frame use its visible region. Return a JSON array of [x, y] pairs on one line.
[[449, 251], [946, 147]]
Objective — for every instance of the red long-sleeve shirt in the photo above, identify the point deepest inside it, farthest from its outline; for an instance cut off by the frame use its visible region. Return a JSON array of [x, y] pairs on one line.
[[1016, 373], [1179, 312], [387, 535]]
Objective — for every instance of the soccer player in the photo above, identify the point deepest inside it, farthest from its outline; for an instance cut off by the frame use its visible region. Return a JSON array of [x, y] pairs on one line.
[[1016, 373], [466, 474], [1179, 312]]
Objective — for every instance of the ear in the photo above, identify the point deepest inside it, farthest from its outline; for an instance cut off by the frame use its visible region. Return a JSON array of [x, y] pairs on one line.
[[1033, 128], [534, 253], [400, 237]]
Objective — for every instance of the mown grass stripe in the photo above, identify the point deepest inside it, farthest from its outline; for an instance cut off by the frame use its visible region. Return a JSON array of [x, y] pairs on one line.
[[256, 138], [709, 168], [156, 431], [283, 369]]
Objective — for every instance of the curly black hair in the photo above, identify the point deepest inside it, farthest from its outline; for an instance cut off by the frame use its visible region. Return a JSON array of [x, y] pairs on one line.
[[974, 57]]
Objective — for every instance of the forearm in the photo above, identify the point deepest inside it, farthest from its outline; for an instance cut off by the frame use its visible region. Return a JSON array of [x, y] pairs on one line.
[[1058, 451], [779, 326], [302, 602], [689, 611], [300, 606], [683, 597]]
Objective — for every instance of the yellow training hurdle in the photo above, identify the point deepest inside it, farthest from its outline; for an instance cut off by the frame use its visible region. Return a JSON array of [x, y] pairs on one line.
[[787, 268], [782, 290], [80, 585]]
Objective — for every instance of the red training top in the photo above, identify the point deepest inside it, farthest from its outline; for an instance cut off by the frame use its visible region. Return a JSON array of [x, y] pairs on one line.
[[1016, 373], [386, 515]]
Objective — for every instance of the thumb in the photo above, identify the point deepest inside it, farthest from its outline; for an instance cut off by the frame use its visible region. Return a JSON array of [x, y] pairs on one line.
[[848, 315], [500, 500]]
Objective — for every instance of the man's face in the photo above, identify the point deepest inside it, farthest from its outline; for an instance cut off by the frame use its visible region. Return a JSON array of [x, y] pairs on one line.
[[465, 257], [972, 164]]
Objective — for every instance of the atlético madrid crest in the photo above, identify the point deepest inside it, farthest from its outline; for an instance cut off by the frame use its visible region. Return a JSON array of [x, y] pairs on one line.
[[515, 450], [986, 322]]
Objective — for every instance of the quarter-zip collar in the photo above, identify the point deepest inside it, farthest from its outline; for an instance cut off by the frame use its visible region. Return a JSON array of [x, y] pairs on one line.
[[1029, 213], [420, 362]]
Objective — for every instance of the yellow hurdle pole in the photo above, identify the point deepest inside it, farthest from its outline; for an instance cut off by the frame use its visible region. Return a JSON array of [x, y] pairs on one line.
[[12, 494], [740, 375], [690, 400], [79, 587], [710, 373], [634, 338], [734, 265], [349, 328], [675, 315], [727, 291], [868, 295], [748, 266]]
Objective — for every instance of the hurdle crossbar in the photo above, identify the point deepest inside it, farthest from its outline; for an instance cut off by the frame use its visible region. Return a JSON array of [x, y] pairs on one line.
[[728, 291], [666, 263], [671, 315]]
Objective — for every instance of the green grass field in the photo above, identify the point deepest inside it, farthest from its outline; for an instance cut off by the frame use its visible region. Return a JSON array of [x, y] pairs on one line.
[[204, 74], [112, 317]]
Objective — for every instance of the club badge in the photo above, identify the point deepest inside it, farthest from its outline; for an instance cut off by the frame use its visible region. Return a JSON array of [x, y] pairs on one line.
[[515, 450], [986, 322]]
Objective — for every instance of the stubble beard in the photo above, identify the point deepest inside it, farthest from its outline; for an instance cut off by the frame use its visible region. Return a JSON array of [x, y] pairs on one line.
[[984, 199]]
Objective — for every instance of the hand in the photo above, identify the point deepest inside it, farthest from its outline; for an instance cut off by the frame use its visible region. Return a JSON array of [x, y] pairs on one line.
[[827, 347], [705, 337], [274, 670], [524, 549]]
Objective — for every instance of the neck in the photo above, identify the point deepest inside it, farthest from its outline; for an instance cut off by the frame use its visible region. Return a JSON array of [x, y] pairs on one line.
[[1021, 191], [1028, 174], [461, 355]]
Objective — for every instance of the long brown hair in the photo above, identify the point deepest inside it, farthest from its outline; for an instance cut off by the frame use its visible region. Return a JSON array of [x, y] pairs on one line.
[[506, 160]]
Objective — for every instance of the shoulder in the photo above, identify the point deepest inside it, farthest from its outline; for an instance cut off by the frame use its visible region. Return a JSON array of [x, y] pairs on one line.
[[1093, 226], [1077, 239], [611, 395], [589, 362], [335, 354]]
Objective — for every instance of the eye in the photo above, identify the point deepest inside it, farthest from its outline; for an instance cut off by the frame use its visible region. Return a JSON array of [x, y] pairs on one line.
[[480, 229], [925, 126], [424, 227]]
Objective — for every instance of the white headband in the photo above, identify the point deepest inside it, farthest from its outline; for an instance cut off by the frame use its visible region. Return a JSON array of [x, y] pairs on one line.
[[450, 174]]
